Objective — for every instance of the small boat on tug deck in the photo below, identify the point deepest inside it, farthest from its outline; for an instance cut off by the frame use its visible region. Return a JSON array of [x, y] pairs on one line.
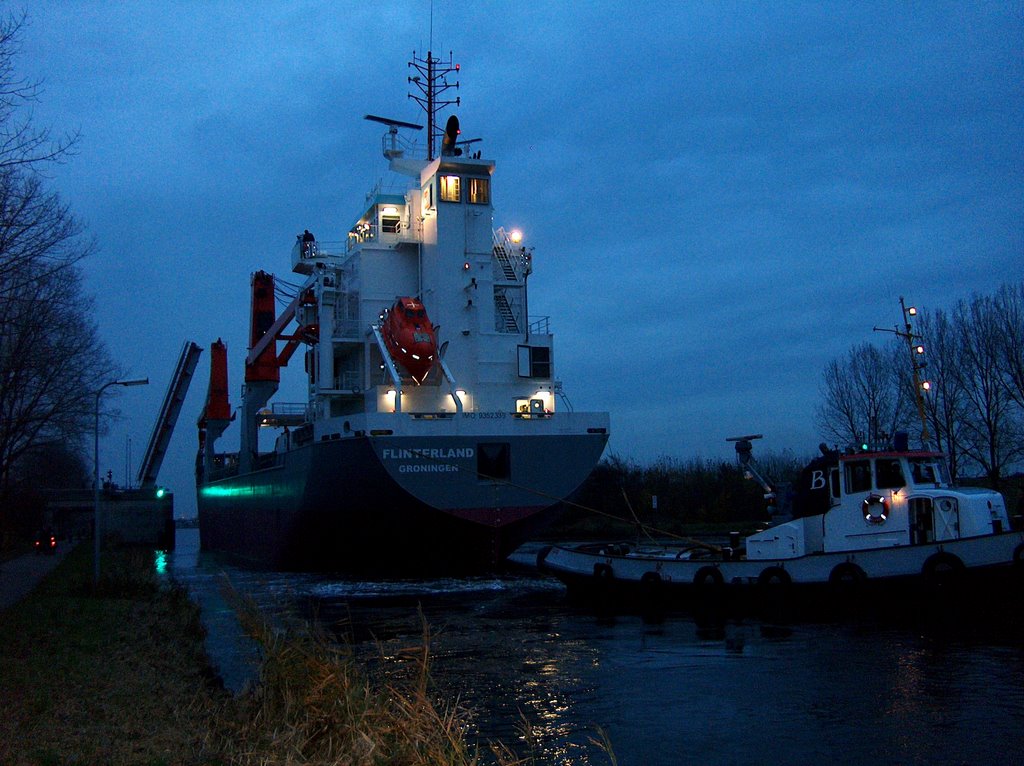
[[867, 521]]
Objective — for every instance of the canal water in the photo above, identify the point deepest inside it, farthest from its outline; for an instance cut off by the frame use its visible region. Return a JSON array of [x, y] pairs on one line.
[[673, 690]]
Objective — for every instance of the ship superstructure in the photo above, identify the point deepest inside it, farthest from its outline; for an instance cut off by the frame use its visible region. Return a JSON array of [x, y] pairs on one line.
[[433, 433]]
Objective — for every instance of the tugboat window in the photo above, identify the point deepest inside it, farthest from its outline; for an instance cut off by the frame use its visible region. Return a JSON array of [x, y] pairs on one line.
[[858, 476], [390, 224], [888, 474], [493, 460], [479, 191], [451, 189]]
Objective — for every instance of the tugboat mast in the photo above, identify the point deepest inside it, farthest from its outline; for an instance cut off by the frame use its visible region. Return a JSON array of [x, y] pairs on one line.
[[916, 349], [432, 81]]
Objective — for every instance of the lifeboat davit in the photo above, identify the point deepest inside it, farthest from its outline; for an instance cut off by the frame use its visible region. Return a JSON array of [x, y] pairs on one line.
[[410, 337]]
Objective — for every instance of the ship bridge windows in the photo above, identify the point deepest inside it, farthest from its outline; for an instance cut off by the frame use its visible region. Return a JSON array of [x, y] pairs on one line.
[[451, 189], [479, 191], [390, 219]]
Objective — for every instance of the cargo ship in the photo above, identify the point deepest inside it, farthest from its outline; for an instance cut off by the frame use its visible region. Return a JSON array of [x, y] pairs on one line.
[[436, 435]]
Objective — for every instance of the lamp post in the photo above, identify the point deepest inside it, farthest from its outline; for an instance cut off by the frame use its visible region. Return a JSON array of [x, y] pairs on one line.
[[96, 533]]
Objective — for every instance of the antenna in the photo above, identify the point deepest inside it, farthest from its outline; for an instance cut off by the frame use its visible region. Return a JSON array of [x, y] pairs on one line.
[[431, 82], [744, 456]]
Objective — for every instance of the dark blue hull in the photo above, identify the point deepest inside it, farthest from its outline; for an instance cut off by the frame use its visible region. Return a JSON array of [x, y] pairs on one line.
[[379, 505]]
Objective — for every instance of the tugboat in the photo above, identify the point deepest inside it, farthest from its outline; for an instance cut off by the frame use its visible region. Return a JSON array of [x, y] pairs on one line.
[[866, 519], [422, 446], [877, 516]]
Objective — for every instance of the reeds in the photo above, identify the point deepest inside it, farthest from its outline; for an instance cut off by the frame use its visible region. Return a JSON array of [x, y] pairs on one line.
[[315, 703], [118, 675]]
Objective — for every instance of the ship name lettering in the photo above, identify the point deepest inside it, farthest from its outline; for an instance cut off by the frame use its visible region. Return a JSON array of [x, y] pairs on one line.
[[428, 468], [435, 453], [817, 480]]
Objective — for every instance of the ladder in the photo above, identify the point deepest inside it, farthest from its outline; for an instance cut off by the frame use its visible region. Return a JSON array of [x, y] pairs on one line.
[[507, 317], [501, 255]]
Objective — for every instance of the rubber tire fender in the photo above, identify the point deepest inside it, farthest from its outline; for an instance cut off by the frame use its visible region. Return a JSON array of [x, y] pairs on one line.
[[846, 575], [708, 577], [942, 568], [1018, 557], [603, 573], [774, 577]]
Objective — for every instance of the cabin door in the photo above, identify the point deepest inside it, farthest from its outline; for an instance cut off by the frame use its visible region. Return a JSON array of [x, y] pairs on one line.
[[947, 519], [922, 526]]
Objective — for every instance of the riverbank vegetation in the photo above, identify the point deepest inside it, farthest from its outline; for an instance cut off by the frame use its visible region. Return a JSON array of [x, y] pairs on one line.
[[118, 675], [622, 498]]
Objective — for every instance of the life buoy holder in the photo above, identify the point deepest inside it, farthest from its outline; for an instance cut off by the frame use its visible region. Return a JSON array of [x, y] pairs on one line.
[[875, 508]]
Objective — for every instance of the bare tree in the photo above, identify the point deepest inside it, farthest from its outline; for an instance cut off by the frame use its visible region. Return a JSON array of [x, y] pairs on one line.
[[51, 358], [1009, 307], [944, 403], [864, 398], [990, 419], [22, 142], [51, 362]]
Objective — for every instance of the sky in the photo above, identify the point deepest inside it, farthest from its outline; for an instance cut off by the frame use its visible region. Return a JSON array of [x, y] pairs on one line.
[[723, 197]]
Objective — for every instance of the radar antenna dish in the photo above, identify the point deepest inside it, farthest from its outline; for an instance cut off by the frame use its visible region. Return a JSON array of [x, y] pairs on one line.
[[392, 123], [390, 141], [744, 456]]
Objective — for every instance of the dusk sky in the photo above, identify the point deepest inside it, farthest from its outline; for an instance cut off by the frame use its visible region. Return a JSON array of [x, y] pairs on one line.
[[722, 197]]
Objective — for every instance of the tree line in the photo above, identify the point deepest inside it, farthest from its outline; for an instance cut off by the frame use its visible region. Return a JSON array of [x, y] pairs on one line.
[[51, 357], [675, 496], [970, 383]]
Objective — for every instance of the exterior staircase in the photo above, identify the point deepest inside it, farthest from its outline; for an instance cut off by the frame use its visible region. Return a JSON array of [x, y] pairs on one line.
[[505, 314]]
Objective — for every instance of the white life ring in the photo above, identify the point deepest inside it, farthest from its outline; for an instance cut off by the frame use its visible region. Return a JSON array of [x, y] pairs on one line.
[[875, 508]]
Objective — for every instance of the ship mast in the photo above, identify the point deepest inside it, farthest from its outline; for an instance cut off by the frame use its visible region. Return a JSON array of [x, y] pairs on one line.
[[432, 81], [916, 349]]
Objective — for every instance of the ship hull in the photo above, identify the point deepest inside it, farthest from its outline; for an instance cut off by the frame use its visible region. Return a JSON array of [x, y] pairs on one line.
[[395, 505]]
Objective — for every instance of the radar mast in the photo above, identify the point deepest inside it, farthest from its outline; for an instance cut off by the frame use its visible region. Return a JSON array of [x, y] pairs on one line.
[[432, 81]]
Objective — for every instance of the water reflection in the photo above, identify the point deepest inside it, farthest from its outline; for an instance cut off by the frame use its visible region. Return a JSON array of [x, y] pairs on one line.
[[542, 675]]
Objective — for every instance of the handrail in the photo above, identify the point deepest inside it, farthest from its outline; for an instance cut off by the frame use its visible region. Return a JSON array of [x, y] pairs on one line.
[[540, 325]]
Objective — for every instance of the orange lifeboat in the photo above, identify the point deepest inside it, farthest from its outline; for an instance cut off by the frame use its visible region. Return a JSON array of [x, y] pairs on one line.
[[410, 337]]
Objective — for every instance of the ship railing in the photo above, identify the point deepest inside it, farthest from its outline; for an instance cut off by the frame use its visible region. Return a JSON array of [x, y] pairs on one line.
[[540, 325], [284, 414], [363, 232], [392, 234], [309, 251], [225, 464]]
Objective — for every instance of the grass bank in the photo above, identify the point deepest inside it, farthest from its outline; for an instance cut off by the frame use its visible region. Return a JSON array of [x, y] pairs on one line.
[[119, 676]]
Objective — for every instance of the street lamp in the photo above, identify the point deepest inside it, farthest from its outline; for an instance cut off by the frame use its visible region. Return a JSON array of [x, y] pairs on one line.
[[96, 473]]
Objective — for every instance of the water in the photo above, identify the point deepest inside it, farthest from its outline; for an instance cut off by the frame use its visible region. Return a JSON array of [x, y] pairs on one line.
[[675, 691]]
